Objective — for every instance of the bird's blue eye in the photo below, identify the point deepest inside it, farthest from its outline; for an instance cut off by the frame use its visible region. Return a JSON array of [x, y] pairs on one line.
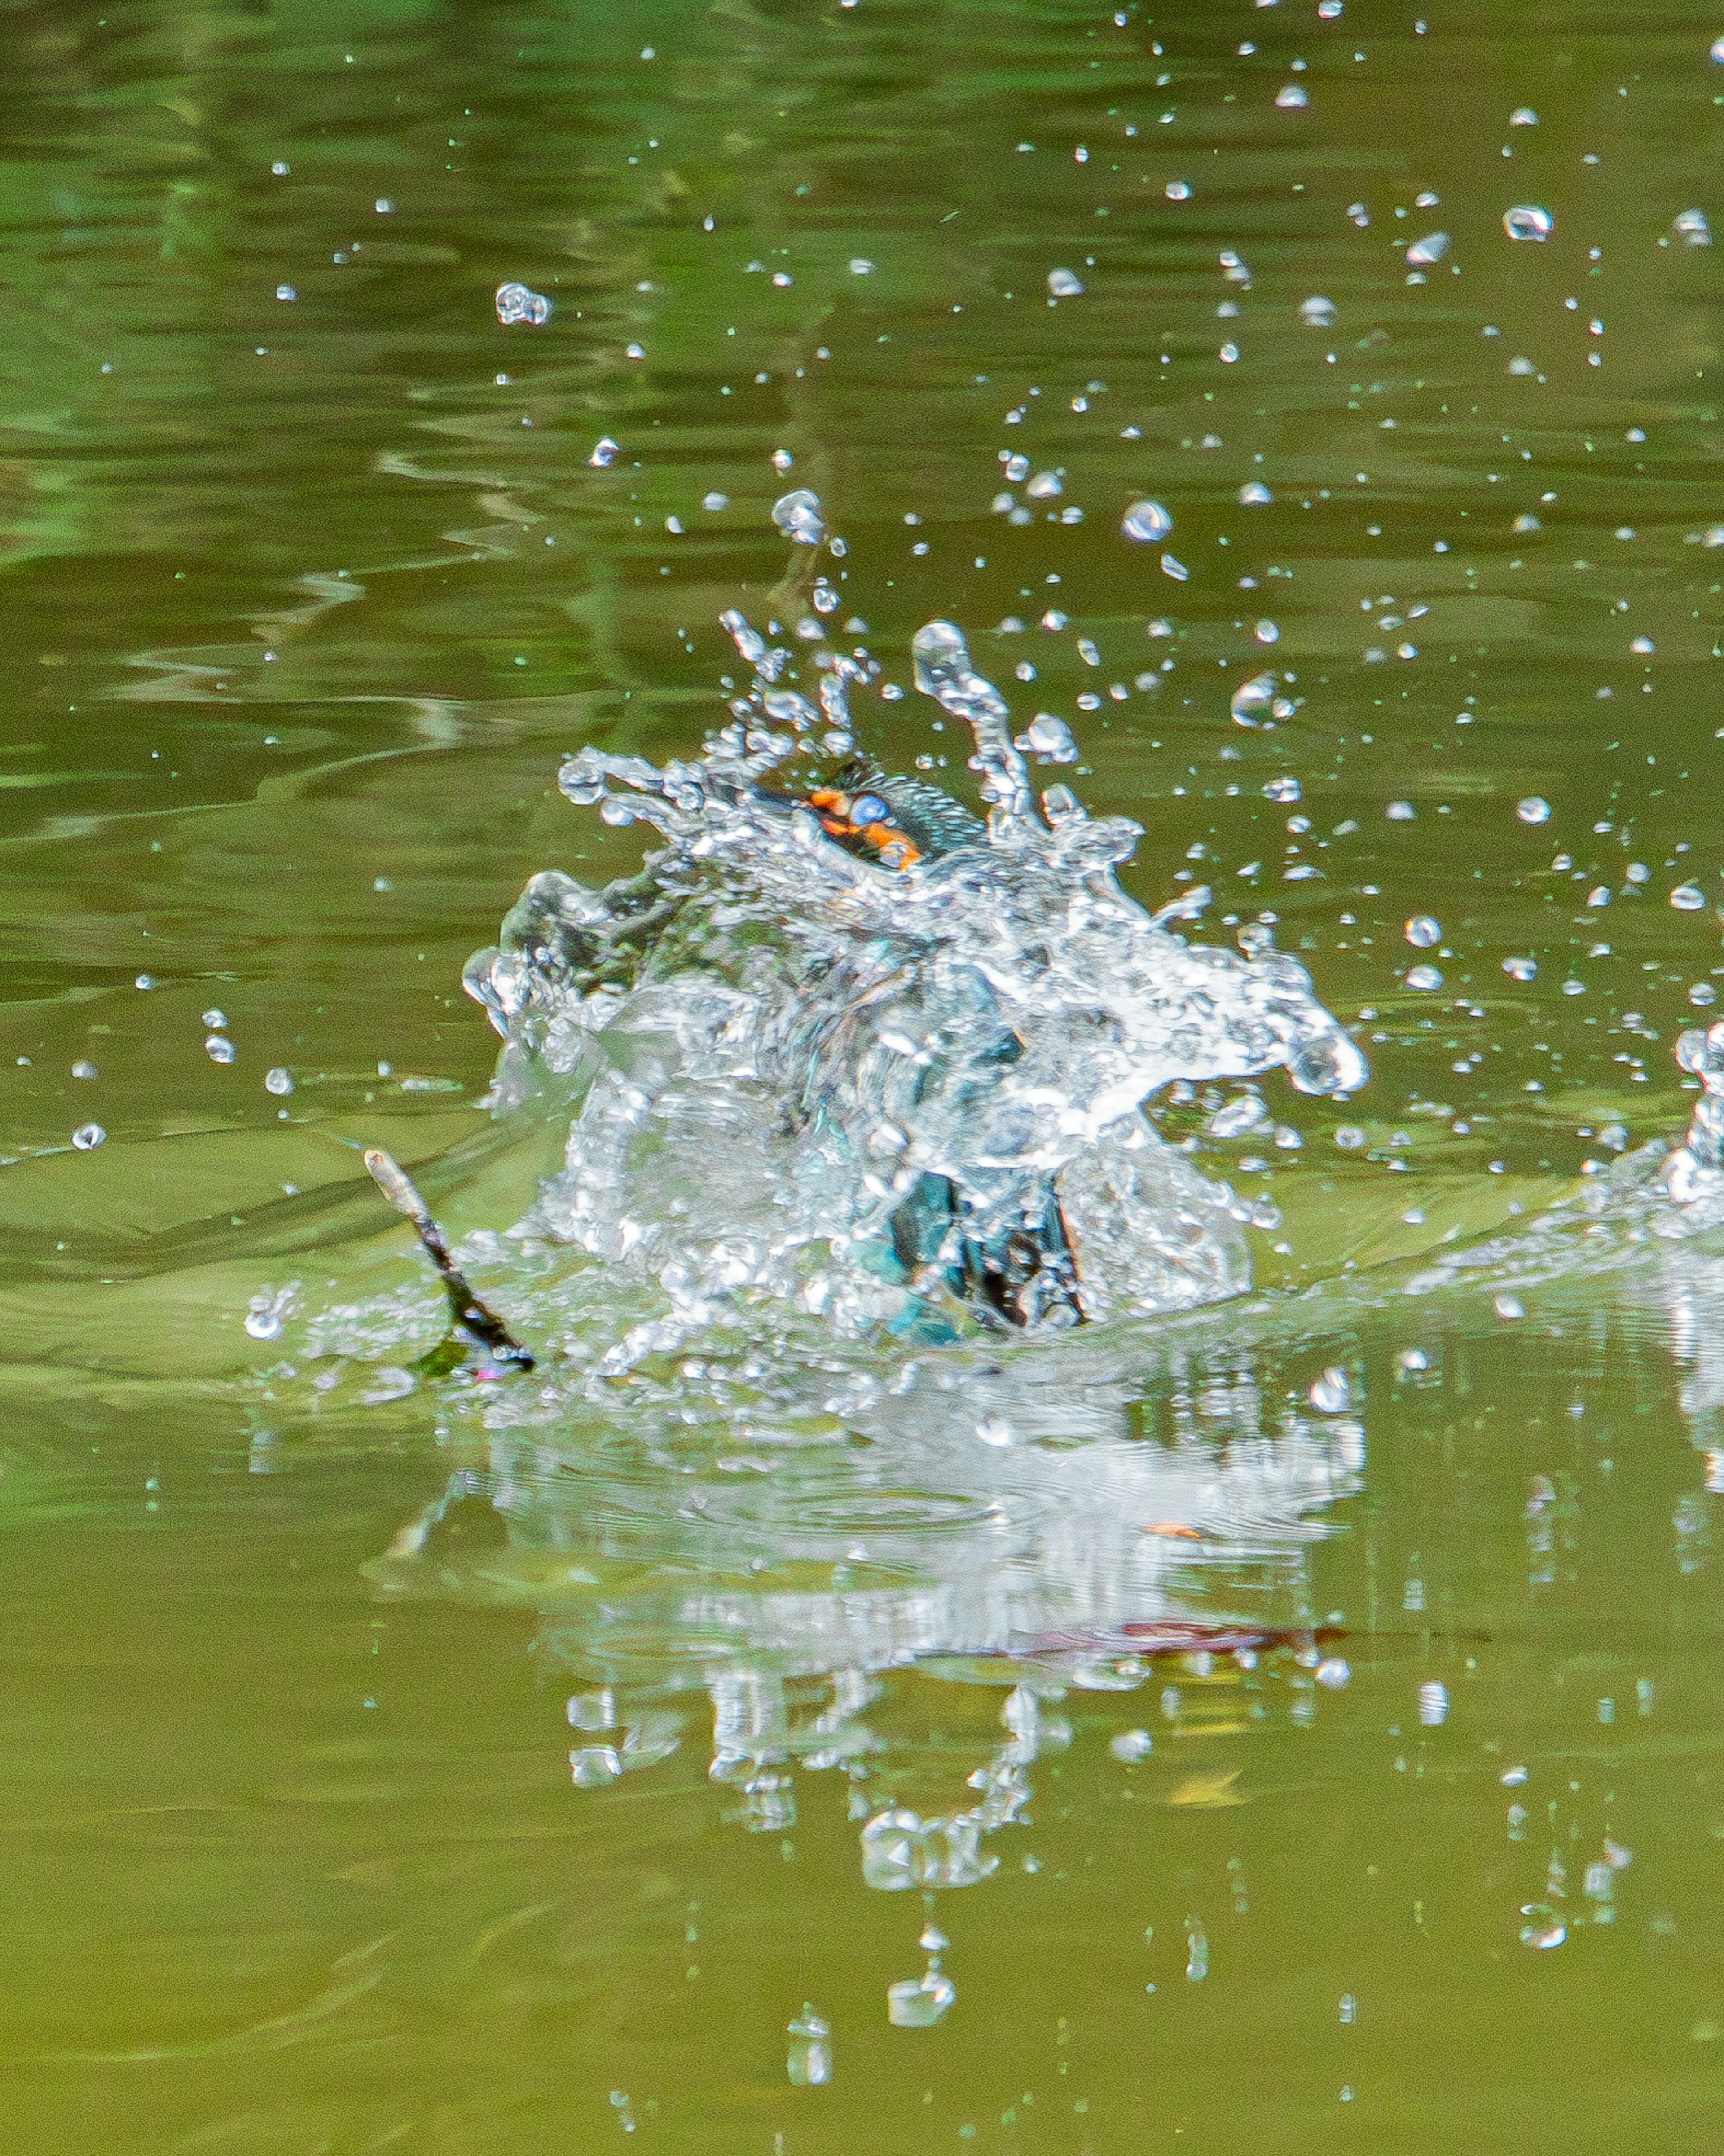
[[869, 808]]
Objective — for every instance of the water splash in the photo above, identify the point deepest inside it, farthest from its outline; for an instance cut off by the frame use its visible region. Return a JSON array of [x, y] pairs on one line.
[[813, 1081]]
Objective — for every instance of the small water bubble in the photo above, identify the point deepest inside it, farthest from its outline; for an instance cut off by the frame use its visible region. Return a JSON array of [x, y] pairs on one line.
[[1064, 284], [219, 1048], [1172, 566], [1266, 632], [144, 981], [280, 170], [88, 1137], [84, 1068], [1424, 977], [1523, 115], [860, 266], [1147, 521], [1292, 96], [1400, 812], [1688, 898], [1281, 789], [1131, 1746], [1528, 222], [1521, 969], [517, 303], [214, 1019], [1702, 993], [1508, 1306], [1177, 191], [1422, 931], [1254, 493], [1433, 1703], [1543, 1928], [278, 1080], [1690, 226], [1316, 312], [1349, 1137], [713, 502], [1332, 1673], [604, 453], [1332, 1393], [1432, 247], [285, 292], [1533, 809]]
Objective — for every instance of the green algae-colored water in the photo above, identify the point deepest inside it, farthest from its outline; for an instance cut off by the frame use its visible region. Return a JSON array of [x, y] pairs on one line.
[[379, 1773]]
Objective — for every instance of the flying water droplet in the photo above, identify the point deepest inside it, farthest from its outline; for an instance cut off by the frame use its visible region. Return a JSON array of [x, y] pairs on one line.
[[1422, 931], [1508, 1306], [797, 516], [515, 303], [1316, 312], [1147, 521], [1521, 969], [1241, 1114], [1131, 1746], [1528, 222], [919, 2001], [1424, 977], [1332, 1393], [1332, 1673], [1051, 739], [1533, 810], [1292, 97], [1064, 284], [810, 2061], [278, 1080], [88, 1137], [604, 452], [1431, 249], [1254, 494], [1432, 1704], [219, 1048], [1255, 702], [1690, 226], [1688, 898]]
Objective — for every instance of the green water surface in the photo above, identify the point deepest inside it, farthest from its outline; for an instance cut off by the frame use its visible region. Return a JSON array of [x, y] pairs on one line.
[[309, 581]]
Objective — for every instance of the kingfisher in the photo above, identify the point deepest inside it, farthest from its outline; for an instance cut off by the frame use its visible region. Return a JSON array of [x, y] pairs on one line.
[[1020, 1276]]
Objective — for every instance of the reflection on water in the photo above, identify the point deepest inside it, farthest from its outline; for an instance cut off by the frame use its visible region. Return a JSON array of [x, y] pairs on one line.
[[995, 1531]]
